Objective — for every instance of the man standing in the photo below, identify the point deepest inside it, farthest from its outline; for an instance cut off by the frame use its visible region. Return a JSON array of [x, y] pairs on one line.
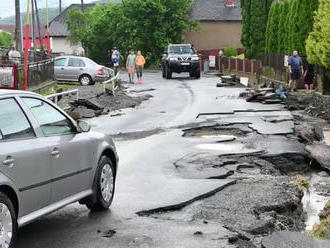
[[130, 66], [14, 55], [115, 59], [295, 69]]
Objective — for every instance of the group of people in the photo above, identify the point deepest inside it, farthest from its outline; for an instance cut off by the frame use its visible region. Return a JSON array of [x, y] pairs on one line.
[[134, 63], [298, 70]]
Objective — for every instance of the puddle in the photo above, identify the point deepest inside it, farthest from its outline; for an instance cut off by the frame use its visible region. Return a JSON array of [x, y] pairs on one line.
[[313, 202], [326, 133], [232, 148]]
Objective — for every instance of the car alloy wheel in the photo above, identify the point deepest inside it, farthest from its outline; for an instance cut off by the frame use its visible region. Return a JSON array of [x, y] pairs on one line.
[[6, 226], [107, 183], [85, 80]]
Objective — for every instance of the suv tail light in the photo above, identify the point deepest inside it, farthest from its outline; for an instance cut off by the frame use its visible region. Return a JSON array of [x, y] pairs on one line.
[[100, 72]]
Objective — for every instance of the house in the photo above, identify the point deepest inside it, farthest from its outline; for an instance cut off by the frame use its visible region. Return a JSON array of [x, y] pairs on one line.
[[220, 24], [58, 33], [11, 30]]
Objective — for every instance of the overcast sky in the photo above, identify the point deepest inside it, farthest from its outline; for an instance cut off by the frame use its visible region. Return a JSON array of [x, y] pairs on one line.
[[7, 7]]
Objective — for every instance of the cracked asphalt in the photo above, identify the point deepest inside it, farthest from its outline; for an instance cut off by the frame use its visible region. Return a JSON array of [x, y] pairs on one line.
[[147, 179]]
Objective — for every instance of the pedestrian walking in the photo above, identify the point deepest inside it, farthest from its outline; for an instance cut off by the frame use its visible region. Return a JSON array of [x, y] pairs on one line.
[[139, 62], [295, 69], [130, 66], [309, 77], [115, 59]]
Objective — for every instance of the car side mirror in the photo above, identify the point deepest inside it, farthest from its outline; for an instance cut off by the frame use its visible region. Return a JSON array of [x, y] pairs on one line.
[[83, 126]]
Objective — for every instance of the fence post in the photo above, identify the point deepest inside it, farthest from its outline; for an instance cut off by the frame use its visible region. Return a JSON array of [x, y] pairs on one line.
[[229, 64], [252, 67]]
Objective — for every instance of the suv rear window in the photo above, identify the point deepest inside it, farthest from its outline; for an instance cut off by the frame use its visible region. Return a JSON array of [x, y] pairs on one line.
[[181, 50], [13, 122]]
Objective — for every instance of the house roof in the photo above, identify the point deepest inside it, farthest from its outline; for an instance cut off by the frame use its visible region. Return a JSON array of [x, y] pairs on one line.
[[58, 27], [215, 10], [11, 29], [202, 10]]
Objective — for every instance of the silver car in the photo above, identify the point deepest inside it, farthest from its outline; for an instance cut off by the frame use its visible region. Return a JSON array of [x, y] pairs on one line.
[[79, 69], [47, 161]]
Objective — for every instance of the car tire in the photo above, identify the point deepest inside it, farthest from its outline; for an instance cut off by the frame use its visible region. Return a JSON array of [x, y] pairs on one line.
[[163, 72], [168, 72], [8, 220], [197, 74], [85, 80], [103, 186]]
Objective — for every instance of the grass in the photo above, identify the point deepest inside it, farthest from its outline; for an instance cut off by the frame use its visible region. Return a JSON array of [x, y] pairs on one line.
[[302, 182], [55, 87], [322, 230]]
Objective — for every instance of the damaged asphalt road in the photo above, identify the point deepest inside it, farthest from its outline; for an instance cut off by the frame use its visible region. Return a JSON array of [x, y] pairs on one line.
[[182, 187]]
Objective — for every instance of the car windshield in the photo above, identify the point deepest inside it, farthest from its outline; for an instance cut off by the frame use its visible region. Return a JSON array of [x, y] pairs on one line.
[[181, 50]]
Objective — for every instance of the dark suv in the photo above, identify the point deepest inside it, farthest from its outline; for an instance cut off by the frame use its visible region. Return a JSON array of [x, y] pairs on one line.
[[181, 58]]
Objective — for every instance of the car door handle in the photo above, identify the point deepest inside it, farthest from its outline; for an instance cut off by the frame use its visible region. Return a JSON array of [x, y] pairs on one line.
[[62, 68], [10, 162], [55, 152], [81, 69]]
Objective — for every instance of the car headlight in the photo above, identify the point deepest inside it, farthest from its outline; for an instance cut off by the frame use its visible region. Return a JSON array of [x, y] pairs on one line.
[[195, 58], [173, 59]]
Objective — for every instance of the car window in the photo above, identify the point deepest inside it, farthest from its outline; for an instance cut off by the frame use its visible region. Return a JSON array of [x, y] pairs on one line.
[[75, 62], [181, 50], [51, 121], [13, 122], [60, 62]]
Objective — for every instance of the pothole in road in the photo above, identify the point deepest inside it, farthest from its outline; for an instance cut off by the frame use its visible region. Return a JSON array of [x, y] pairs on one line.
[[230, 131]]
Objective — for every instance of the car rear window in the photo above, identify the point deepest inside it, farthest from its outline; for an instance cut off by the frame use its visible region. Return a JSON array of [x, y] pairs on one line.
[[75, 62], [13, 122]]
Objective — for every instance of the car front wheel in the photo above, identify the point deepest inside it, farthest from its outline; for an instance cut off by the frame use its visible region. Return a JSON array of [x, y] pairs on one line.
[[104, 186], [8, 222], [168, 72]]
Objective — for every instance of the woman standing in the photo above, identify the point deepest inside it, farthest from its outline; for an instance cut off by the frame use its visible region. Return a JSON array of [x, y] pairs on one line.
[[309, 76], [139, 62], [130, 66]]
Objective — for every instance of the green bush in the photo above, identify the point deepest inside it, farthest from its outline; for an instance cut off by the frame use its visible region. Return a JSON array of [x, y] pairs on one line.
[[272, 35], [6, 40], [230, 51], [318, 42]]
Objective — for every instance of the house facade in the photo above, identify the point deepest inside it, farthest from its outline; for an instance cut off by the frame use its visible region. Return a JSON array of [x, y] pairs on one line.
[[59, 33], [220, 24]]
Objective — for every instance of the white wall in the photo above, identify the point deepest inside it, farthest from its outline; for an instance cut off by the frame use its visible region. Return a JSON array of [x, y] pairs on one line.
[[63, 46]]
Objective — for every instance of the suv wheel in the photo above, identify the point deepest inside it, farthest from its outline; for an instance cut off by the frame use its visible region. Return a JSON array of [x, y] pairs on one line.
[[8, 222], [104, 186], [85, 80], [168, 72], [197, 74], [163, 72]]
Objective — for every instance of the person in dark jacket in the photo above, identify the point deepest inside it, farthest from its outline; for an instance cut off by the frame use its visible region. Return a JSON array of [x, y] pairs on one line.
[[309, 76]]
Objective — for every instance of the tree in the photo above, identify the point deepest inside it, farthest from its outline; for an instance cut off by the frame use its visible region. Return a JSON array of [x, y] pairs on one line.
[[272, 35], [255, 16], [283, 28], [6, 40], [301, 23], [147, 25], [318, 42], [246, 29]]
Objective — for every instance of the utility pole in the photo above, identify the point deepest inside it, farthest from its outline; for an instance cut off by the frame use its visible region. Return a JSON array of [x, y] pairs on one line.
[[82, 5], [18, 27], [60, 6], [38, 23], [33, 26]]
